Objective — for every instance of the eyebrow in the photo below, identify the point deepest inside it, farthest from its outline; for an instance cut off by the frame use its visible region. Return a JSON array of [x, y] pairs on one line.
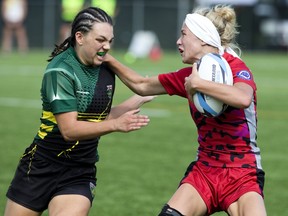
[[105, 38]]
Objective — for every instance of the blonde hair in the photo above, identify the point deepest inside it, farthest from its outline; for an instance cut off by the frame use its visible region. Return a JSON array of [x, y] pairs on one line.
[[224, 19]]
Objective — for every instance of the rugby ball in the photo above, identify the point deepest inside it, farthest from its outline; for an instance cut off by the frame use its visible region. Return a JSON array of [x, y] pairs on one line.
[[212, 67]]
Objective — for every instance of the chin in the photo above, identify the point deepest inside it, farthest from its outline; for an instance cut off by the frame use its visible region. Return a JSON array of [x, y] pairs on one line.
[[185, 61], [97, 63]]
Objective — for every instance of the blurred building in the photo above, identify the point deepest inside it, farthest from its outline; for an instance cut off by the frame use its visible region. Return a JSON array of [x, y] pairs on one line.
[[263, 23]]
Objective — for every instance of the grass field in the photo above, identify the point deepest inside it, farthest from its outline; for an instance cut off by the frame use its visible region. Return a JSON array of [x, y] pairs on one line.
[[138, 172]]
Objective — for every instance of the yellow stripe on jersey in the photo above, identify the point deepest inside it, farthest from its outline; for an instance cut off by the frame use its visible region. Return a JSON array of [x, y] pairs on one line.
[[92, 117], [49, 116], [45, 129]]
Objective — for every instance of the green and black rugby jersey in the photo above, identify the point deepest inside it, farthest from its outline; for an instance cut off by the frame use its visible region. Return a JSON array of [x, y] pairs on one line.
[[67, 86]]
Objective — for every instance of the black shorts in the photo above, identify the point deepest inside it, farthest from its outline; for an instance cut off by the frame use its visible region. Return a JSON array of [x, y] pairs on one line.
[[37, 181]]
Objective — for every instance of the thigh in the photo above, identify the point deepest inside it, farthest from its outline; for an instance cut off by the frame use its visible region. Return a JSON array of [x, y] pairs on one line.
[[250, 203], [243, 184], [75, 192], [33, 176], [188, 201], [12, 208], [71, 204], [77, 181]]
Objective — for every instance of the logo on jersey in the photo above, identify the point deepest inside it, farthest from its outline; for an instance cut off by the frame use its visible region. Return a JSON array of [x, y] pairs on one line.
[[109, 90], [92, 189], [244, 75], [83, 92]]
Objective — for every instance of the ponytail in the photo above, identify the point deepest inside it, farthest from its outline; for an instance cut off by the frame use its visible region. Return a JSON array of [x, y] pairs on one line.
[[60, 48]]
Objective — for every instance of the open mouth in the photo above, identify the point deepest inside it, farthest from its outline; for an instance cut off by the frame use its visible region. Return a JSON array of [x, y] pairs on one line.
[[101, 53]]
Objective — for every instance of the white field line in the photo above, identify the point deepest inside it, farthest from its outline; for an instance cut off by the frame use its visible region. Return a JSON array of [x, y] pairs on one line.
[[24, 70], [36, 104], [19, 102]]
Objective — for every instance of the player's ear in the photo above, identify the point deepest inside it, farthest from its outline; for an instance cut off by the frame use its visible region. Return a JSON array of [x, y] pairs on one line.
[[79, 38]]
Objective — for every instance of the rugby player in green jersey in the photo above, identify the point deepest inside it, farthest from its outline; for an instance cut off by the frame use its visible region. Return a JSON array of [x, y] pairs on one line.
[[57, 171]]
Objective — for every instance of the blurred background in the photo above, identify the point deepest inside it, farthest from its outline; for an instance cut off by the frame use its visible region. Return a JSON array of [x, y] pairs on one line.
[[263, 23]]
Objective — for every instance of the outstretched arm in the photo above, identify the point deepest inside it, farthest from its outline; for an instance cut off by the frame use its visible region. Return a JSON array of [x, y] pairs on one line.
[[73, 129], [137, 83], [132, 103], [123, 118]]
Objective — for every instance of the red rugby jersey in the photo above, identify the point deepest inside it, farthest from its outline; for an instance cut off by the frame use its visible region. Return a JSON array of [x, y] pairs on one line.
[[228, 140]]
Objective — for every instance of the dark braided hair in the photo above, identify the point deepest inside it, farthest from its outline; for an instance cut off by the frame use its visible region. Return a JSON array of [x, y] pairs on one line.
[[83, 22]]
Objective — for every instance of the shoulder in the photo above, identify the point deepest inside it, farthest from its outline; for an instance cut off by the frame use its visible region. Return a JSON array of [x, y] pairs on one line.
[[241, 73], [234, 62], [63, 62], [237, 65]]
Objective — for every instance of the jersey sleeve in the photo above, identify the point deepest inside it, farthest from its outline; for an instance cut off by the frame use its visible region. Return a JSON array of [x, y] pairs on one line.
[[241, 73], [173, 82], [58, 91]]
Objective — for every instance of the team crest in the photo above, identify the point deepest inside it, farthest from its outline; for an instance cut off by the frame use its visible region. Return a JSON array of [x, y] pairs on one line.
[[109, 91], [244, 75]]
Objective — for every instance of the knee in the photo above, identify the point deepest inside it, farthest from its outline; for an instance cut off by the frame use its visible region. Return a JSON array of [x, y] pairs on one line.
[[168, 211]]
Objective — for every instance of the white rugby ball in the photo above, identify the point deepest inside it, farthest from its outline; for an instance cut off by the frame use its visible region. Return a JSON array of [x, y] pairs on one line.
[[212, 67]]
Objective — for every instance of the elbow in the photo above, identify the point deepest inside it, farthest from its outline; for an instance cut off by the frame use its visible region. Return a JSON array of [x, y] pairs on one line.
[[137, 91], [69, 137], [244, 96], [244, 102], [140, 90], [141, 86]]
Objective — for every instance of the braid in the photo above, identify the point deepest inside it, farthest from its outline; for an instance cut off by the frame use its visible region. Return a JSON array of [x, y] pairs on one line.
[[60, 48], [83, 22]]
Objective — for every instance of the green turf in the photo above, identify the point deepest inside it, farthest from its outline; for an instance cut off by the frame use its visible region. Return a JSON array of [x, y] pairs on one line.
[[139, 171]]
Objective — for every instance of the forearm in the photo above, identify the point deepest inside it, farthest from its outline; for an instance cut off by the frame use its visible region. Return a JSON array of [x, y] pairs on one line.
[[72, 129], [239, 95], [128, 76], [131, 103], [138, 84], [83, 130]]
